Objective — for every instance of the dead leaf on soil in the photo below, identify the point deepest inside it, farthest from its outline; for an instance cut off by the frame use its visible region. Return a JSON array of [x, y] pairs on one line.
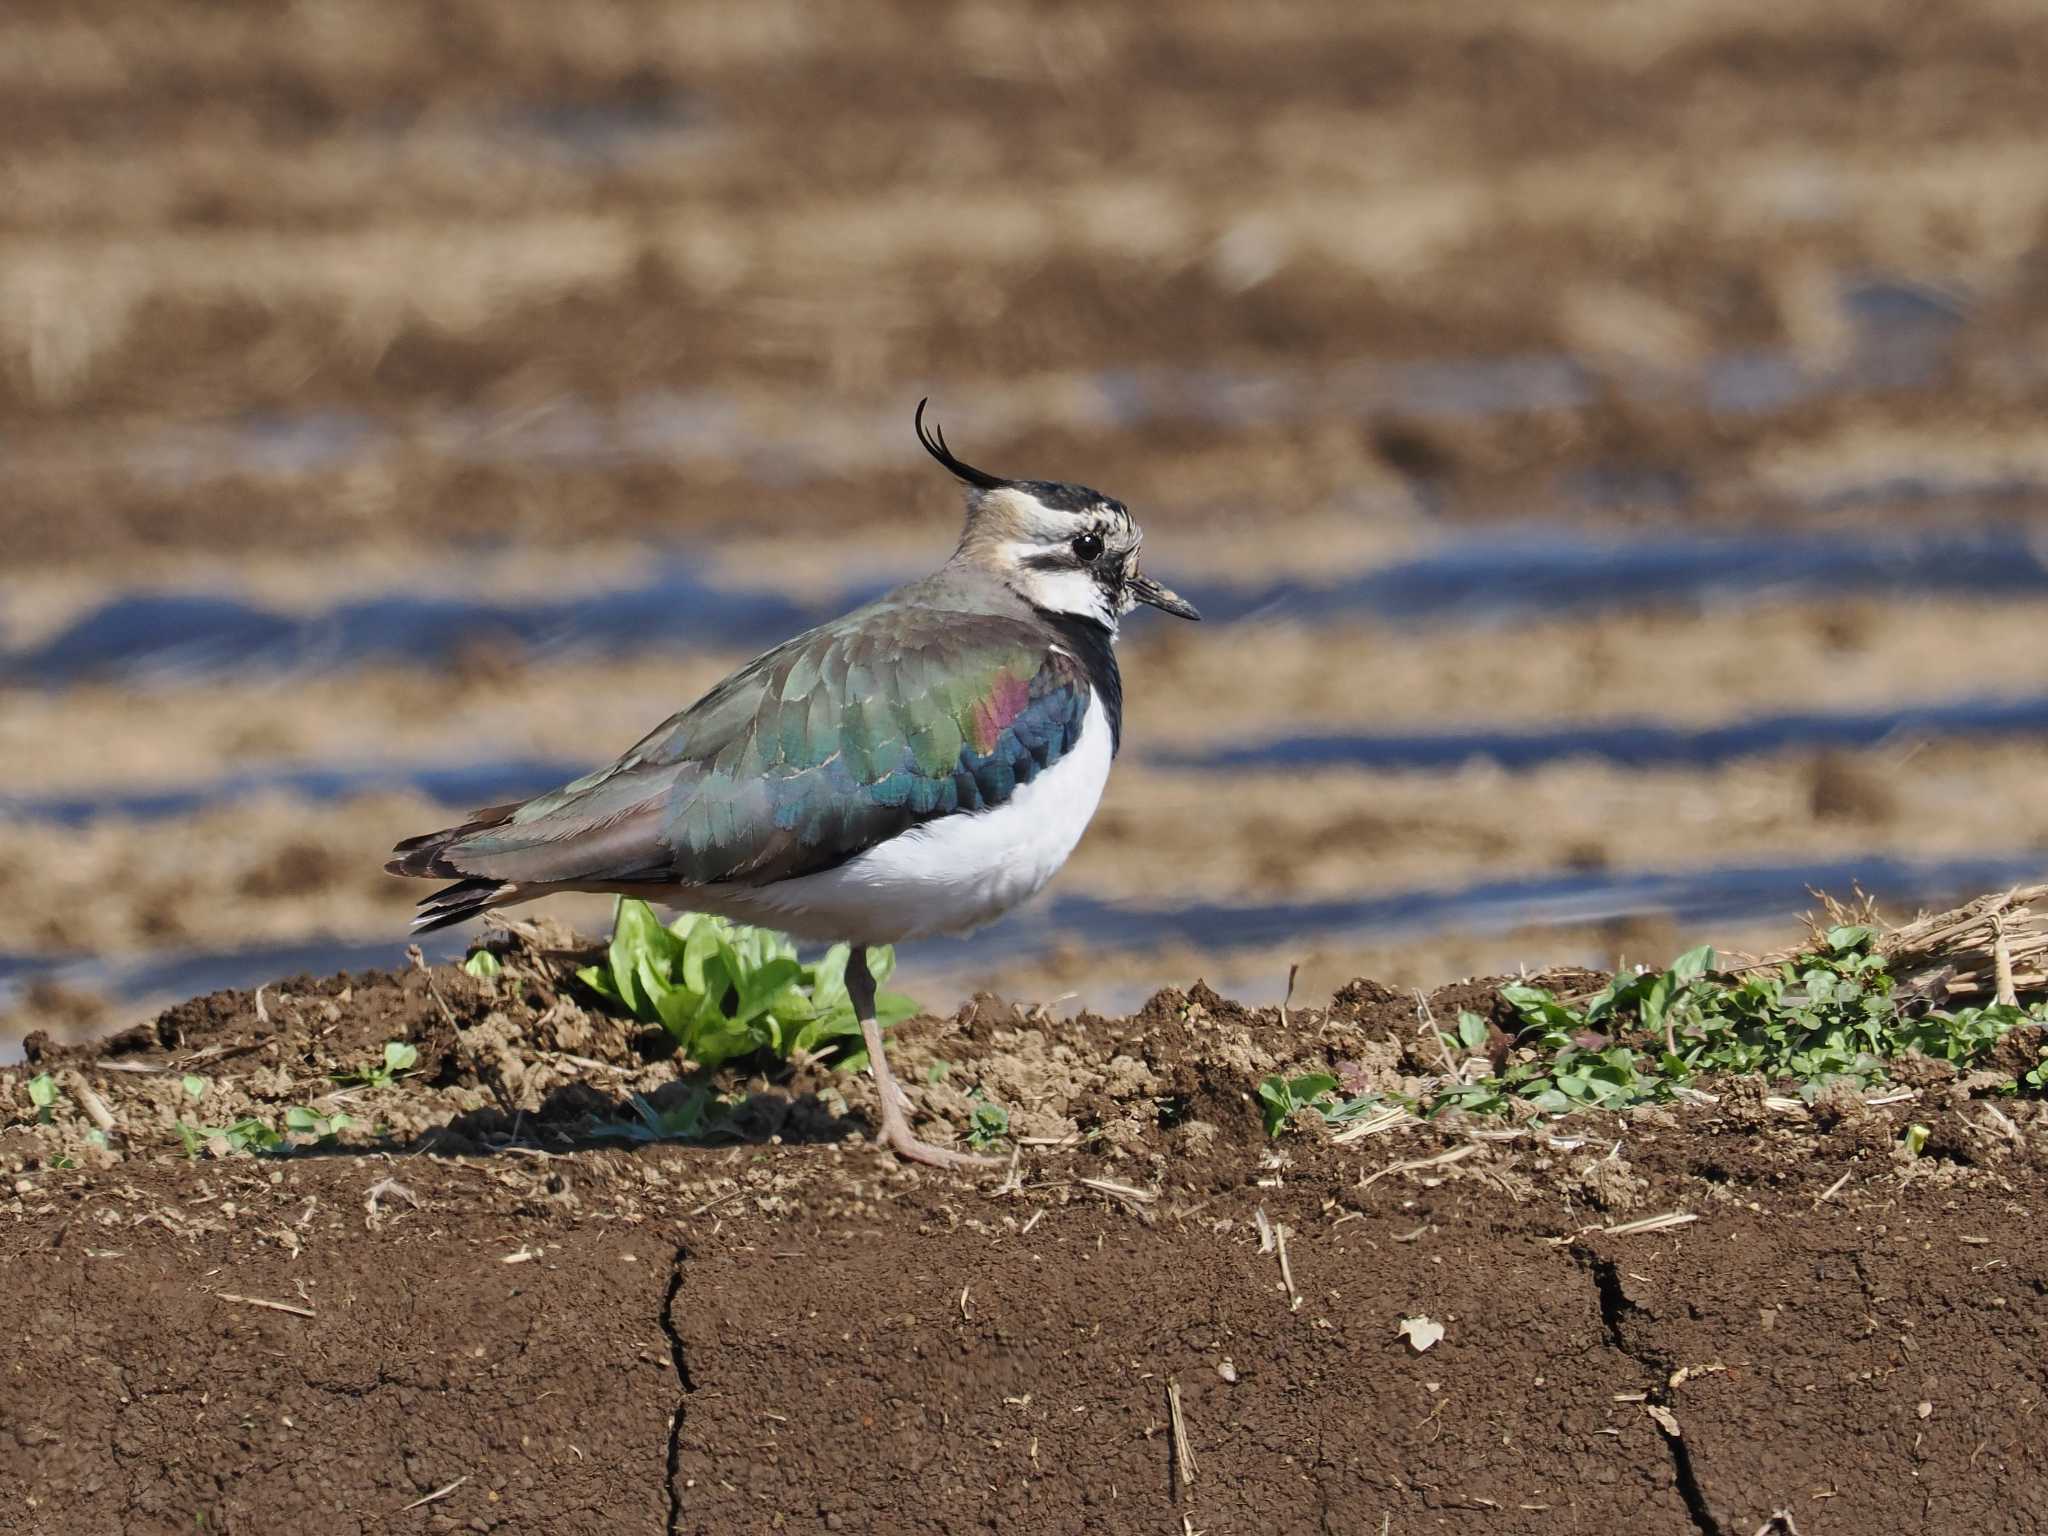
[[386, 1188], [1421, 1332]]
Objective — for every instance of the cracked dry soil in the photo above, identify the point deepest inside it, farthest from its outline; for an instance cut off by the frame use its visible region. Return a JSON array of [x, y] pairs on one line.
[[441, 1327]]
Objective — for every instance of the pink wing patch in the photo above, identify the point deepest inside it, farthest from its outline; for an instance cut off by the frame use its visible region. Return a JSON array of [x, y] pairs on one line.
[[1005, 702]]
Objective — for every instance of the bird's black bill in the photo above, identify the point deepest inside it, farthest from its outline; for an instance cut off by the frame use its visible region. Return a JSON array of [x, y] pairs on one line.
[[1153, 595]]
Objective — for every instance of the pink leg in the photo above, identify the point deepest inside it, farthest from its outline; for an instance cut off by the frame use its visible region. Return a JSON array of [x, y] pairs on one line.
[[896, 1133]]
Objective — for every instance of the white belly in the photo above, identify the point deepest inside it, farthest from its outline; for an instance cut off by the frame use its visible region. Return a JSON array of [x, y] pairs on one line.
[[948, 875]]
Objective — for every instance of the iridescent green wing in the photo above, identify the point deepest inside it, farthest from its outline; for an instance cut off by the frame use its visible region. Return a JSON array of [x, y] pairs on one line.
[[839, 740]]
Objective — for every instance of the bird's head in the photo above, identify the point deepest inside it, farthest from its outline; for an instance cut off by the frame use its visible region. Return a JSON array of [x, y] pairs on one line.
[[1064, 549]]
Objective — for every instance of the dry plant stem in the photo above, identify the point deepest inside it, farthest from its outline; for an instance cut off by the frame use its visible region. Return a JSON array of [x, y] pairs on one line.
[[1652, 1223], [1121, 1191], [94, 1106], [438, 1493], [273, 1306], [1384, 1119], [1995, 946], [1183, 1452], [1427, 1021], [1013, 1178], [2001, 962], [1286, 1269], [1442, 1159]]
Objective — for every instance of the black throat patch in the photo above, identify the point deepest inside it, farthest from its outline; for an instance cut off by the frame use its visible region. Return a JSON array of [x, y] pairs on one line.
[[1095, 646]]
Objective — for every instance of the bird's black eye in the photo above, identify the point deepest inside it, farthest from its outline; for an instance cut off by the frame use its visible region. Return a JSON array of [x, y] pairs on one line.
[[1087, 547]]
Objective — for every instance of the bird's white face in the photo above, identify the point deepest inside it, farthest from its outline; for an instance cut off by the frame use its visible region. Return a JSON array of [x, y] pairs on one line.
[[1070, 551], [1064, 553], [1064, 549]]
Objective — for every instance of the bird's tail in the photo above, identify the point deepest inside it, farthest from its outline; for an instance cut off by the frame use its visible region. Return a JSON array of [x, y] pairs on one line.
[[460, 902], [434, 855]]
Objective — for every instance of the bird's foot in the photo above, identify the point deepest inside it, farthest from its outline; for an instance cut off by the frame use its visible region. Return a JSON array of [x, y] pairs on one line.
[[900, 1099], [906, 1146], [898, 1137], [895, 1103]]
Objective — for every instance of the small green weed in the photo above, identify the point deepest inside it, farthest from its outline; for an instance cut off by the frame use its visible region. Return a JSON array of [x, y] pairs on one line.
[[989, 1123], [723, 990], [1823, 1018], [303, 1121], [1280, 1097], [483, 965], [251, 1134], [399, 1059], [247, 1135], [42, 1094], [695, 1115]]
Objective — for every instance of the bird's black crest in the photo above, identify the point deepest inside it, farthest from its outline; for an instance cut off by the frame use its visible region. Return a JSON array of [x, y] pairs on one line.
[[1062, 497], [935, 444]]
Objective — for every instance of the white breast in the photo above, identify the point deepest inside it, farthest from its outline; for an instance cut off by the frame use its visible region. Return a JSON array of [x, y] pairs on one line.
[[951, 874]]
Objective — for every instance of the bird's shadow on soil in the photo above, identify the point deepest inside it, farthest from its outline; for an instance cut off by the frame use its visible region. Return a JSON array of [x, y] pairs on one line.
[[579, 1117]]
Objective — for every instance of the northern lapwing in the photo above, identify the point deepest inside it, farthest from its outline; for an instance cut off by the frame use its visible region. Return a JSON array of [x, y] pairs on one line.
[[917, 767]]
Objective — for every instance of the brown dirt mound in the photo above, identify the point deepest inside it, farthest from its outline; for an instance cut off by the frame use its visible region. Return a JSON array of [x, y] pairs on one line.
[[478, 1296]]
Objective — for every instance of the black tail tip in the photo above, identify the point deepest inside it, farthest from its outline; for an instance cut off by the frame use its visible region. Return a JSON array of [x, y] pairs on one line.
[[456, 903]]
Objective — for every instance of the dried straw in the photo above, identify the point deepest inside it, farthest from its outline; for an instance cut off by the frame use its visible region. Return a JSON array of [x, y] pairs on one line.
[[1993, 948]]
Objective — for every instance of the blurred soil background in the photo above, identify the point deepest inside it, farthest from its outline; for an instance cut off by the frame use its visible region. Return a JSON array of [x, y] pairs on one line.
[[1607, 440]]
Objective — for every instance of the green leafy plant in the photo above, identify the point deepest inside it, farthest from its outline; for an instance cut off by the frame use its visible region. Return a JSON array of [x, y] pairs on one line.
[[400, 1057], [694, 1115], [989, 1123], [1280, 1097], [483, 965], [252, 1134], [42, 1094], [1825, 1017], [245, 1135], [723, 989], [301, 1120]]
